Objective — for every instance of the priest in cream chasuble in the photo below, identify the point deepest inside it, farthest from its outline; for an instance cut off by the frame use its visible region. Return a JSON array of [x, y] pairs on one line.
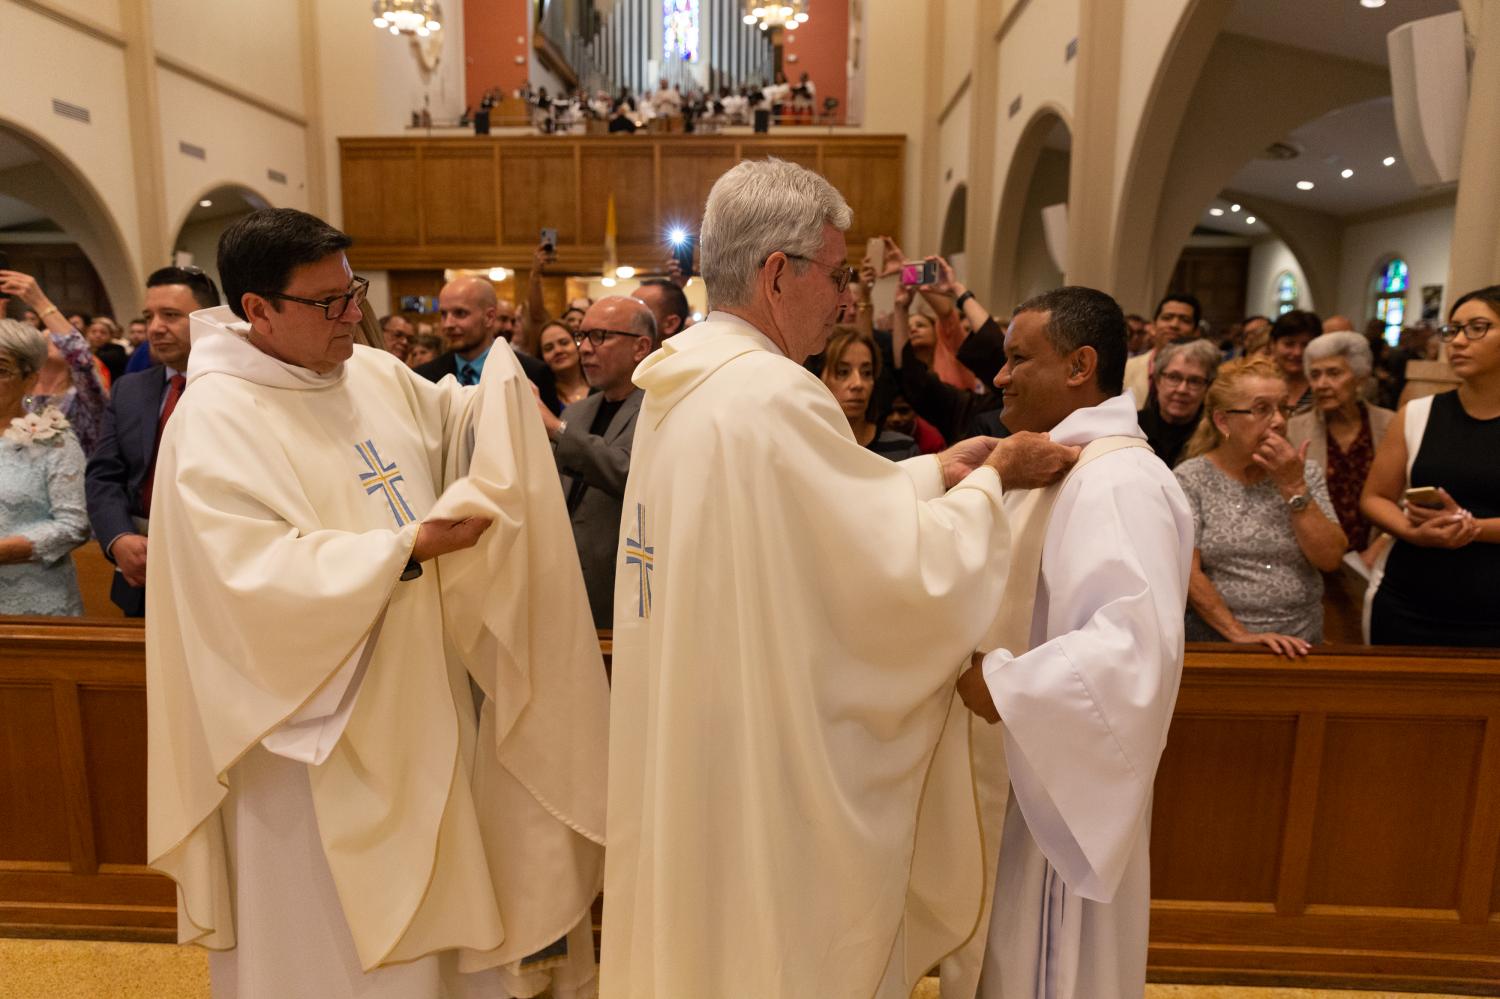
[[338, 815], [1082, 666], [791, 614]]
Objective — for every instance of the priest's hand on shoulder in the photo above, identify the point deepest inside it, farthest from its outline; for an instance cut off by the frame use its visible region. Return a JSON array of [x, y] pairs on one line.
[[976, 693], [1028, 460], [439, 537], [965, 456]]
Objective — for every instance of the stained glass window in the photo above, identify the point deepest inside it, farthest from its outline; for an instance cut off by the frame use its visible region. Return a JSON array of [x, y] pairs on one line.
[[1286, 292], [680, 30], [1391, 285]]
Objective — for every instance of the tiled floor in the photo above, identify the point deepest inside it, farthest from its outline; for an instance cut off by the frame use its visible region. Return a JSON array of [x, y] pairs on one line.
[[59, 969]]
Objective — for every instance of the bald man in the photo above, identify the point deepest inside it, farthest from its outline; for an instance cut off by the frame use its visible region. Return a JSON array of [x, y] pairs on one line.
[[592, 440], [472, 317], [1338, 324]]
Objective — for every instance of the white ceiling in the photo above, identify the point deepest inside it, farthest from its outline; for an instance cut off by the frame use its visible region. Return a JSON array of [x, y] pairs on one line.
[[1358, 137], [1336, 27]]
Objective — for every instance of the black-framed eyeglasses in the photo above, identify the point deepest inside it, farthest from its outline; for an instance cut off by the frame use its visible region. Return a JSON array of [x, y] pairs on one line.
[[1474, 329], [597, 337], [337, 306], [1265, 410], [841, 275]]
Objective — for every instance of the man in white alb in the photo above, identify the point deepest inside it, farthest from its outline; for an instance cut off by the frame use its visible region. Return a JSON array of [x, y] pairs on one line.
[[377, 713], [1083, 663], [791, 615]]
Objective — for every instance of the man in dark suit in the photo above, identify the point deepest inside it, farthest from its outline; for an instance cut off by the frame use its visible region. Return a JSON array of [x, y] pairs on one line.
[[592, 440], [472, 318], [118, 481]]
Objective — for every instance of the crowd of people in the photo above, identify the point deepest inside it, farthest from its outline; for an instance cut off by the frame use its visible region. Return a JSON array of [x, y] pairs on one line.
[[1283, 433], [669, 106]]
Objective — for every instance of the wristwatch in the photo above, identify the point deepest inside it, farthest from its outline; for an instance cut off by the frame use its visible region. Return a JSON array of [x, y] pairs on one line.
[[958, 303], [559, 430], [1299, 502]]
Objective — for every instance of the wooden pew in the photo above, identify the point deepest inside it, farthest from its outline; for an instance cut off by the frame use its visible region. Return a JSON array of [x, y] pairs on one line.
[[1334, 822]]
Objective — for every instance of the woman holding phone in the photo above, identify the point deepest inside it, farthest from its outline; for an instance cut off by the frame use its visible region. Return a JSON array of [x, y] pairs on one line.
[[1435, 487]]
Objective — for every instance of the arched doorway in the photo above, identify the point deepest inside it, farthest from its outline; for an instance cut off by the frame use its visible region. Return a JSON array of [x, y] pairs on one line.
[[1201, 128], [204, 221], [1031, 232], [53, 222]]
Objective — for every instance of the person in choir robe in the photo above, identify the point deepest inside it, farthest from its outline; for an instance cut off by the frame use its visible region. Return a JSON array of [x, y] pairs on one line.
[[1082, 666], [367, 777], [791, 614]]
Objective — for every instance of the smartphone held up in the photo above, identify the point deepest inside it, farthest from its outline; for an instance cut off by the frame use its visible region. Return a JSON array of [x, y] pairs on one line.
[[919, 272]]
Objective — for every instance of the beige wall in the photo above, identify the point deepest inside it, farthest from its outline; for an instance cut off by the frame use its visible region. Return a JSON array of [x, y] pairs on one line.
[[897, 97], [242, 145], [1032, 67], [1422, 239], [1269, 258], [267, 63]]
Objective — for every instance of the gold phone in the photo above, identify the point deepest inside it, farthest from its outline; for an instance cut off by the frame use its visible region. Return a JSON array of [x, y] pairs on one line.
[[1427, 496]]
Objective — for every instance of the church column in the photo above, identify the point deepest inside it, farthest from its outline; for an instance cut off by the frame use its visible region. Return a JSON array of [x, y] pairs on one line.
[[1091, 181], [144, 108], [1475, 256], [984, 117], [929, 223], [312, 102]]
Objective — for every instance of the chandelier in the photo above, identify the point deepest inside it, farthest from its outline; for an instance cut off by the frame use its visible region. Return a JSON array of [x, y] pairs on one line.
[[789, 14], [409, 17]]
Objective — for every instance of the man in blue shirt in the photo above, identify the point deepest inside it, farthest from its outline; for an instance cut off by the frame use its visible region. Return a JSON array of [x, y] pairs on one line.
[[472, 317]]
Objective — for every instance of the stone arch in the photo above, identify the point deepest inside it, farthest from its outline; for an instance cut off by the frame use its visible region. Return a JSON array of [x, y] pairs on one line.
[[56, 187], [1035, 178], [1312, 238], [198, 226], [1198, 129]]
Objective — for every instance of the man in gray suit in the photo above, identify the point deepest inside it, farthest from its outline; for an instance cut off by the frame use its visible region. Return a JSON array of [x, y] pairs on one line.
[[592, 438]]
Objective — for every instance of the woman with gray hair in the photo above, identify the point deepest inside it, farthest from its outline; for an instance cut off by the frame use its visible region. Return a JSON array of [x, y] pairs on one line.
[[1341, 430], [42, 516], [1184, 371]]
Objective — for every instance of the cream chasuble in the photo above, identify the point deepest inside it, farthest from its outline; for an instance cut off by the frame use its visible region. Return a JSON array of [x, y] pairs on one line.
[[278, 620], [791, 615], [1084, 715]]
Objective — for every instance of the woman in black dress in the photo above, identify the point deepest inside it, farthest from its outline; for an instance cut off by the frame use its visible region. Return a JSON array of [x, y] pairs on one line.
[[1441, 583]]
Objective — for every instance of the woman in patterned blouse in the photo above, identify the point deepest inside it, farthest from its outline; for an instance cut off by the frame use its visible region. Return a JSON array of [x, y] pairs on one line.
[[1263, 524], [70, 379]]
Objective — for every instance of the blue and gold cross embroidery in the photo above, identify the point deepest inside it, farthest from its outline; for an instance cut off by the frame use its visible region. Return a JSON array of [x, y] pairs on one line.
[[638, 553], [382, 478]]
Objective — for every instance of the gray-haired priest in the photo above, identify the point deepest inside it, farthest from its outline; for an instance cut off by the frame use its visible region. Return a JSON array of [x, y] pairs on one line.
[[377, 709], [792, 612]]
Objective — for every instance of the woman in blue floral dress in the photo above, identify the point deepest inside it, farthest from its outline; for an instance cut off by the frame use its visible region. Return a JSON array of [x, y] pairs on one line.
[[42, 516]]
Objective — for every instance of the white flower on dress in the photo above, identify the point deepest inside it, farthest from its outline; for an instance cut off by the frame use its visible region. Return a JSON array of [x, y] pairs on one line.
[[49, 427]]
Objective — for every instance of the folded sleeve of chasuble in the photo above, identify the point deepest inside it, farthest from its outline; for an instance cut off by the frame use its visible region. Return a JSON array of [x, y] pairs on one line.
[[776, 712], [1086, 712]]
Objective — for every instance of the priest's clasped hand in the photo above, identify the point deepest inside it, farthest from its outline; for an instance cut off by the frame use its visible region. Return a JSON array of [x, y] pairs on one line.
[[976, 693], [439, 537], [965, 456], [1027, 460]]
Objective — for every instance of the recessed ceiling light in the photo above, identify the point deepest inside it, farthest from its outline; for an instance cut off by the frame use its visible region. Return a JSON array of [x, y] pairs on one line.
[[607, 281], [1389, 161], [1234, 208], [1347, 173], [1305, 185], [1372, 4], [624, 271], [1249, 219], [205, 203], [1216, 211]]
